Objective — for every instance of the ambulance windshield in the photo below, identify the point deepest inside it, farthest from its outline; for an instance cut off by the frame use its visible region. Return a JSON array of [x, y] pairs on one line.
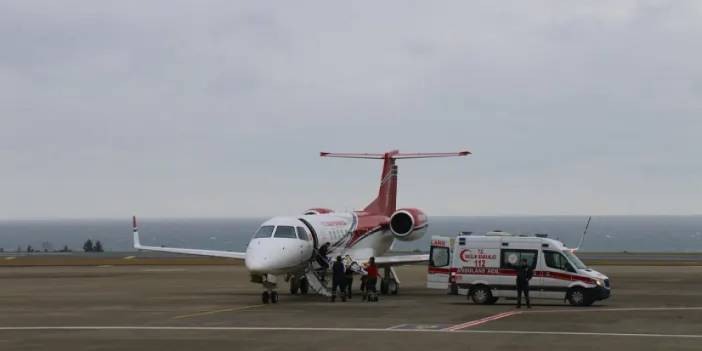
[[574, 260]]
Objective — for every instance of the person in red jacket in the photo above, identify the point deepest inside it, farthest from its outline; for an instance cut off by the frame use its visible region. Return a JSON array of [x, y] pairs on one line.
[[372, 277]]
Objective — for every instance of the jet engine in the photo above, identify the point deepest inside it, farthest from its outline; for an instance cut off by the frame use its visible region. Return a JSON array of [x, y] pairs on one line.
[[318, 211], [408, 224]]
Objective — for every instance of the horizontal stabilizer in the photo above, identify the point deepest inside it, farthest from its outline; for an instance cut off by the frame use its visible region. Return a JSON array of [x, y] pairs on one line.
[[385, 203], [395, 154]]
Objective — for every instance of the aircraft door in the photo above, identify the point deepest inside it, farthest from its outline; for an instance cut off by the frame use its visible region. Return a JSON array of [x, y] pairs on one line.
[[315, 239]]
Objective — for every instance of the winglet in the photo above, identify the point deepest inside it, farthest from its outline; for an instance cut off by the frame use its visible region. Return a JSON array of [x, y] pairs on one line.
[[137, 244]]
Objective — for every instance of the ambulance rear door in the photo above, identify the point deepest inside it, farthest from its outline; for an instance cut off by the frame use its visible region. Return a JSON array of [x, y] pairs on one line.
[[439, 268]]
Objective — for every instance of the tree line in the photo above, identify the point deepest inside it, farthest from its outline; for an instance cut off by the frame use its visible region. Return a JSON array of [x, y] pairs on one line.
[[88, 246]]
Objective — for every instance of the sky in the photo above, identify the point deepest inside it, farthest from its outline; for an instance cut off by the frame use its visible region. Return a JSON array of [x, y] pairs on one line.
[[220, 108]]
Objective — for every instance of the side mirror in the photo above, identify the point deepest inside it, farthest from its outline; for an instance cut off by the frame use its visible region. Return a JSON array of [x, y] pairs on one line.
[[570, 268]]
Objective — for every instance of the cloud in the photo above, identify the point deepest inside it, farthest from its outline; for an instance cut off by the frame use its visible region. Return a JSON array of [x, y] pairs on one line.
[[219, 108]]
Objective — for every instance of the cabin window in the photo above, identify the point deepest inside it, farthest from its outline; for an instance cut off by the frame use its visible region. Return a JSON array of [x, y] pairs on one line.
[[264, 232], [285, 231]]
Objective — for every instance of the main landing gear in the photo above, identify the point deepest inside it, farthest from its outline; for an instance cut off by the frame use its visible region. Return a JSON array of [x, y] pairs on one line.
[[299, 284], [389, 284]]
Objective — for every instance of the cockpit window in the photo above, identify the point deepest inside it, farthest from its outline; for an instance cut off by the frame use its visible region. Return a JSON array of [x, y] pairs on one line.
[[264, 232], [285, 231], [302, 233]]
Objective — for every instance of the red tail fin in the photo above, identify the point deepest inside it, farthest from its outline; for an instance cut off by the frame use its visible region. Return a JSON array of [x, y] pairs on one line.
[[385, 203]]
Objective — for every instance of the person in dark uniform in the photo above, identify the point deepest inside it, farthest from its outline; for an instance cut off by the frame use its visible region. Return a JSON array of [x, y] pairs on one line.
[[338, 279], [524, 274], [322, 253], [348, 281]]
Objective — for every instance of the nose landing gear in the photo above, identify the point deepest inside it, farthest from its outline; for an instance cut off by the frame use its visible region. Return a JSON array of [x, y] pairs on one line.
[[270, 295]]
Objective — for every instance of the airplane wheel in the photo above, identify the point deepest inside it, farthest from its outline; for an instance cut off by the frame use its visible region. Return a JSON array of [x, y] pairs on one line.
[[264, 297], [294, 285], [274, 297], [394, 287], [304, 286], [384, 286]]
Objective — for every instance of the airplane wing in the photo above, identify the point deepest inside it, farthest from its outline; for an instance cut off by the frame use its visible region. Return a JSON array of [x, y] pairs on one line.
[[398, 260], [198, 252]]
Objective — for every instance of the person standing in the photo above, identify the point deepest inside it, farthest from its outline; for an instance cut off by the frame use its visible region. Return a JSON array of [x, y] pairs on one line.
[[348, 281], [338, 279], [322, 258], [524, 274], [371, 278]]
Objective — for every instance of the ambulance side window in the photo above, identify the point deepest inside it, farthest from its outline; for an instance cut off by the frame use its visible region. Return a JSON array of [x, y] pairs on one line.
[[511, 258], [557, 261], [439, 256]]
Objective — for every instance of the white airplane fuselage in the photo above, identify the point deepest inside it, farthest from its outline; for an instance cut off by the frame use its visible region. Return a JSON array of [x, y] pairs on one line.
[[346, 234]]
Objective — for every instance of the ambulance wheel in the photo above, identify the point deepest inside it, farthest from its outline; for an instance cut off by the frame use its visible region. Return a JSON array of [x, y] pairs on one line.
[[481, 295], [274, 297], [579, 297], [294, 285], [384, 286], [265, 297], [304, 286]]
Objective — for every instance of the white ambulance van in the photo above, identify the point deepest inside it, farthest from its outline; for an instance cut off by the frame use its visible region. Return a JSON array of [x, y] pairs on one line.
[[483, 267]]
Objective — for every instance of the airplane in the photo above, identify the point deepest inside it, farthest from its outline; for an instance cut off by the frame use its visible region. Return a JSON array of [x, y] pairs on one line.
[[287, 247]]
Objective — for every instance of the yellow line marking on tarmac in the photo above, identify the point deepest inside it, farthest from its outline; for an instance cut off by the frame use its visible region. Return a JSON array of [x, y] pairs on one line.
[[10, 258], [205, 313], [128, 257]]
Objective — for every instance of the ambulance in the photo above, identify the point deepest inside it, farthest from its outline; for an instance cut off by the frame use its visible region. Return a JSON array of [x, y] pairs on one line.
[[483, 267]]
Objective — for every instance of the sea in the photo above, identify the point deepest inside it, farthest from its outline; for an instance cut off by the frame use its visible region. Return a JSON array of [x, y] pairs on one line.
[[606, 233]]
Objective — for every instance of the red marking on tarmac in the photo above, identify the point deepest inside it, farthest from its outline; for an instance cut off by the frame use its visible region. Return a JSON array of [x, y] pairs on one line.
[[481, 321]]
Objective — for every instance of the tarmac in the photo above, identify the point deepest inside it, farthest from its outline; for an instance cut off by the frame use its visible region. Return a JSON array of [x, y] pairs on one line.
[[210, 307]]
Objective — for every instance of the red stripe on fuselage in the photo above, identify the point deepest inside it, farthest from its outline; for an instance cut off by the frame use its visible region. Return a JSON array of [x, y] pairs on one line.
[[368, 224]]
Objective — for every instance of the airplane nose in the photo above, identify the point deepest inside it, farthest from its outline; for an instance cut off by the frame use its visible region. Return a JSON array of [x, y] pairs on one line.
[[270, 255]]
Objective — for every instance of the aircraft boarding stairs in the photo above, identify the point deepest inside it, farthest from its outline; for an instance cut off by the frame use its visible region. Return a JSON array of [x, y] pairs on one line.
[[316, 274]]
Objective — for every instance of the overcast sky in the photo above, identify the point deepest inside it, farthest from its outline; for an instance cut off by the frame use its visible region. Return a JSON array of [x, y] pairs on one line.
[[220, 108]]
